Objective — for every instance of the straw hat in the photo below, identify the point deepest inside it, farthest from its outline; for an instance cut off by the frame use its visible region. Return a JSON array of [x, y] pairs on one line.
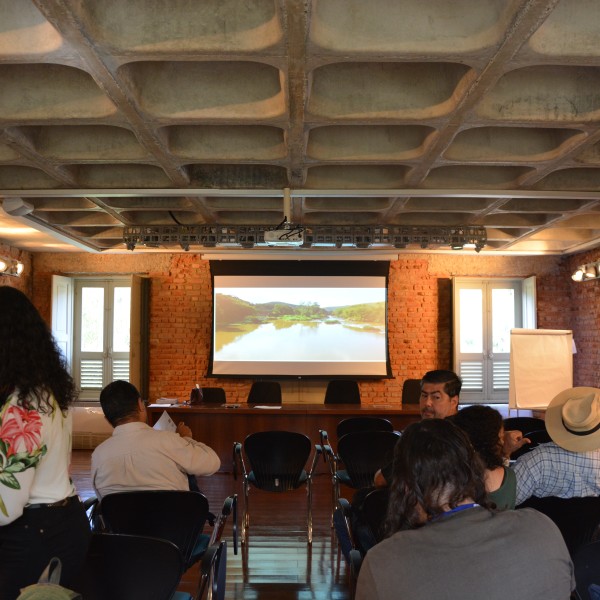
[[573, 419]]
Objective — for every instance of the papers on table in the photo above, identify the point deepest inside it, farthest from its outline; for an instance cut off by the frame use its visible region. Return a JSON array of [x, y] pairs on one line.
[[165, 402], [269, 406], [165, 423]]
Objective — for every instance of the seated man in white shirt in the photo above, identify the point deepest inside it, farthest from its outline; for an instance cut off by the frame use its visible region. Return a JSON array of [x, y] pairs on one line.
[[138, 457]]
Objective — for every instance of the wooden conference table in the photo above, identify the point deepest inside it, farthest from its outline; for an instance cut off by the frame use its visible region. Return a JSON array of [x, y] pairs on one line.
[[219, 426]]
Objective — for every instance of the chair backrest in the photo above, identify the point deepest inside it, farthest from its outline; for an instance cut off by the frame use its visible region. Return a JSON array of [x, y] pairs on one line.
[[524, 424], [577, 518], [364, 452], [538, 437], [213, 395], [587, 569], [374, 511], [277, 459], [265, 392], [342, 391], [121, 567], [411, 391], [352, 424], [177, 516]]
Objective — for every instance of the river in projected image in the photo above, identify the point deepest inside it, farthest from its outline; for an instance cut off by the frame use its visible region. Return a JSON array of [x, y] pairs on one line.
[[306, 341]]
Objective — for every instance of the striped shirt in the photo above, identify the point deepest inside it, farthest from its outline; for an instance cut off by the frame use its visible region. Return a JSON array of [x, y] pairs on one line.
[[550, 470]]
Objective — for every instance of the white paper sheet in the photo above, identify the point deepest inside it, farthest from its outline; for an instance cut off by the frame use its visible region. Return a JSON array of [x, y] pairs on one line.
[[165, 423], [541, 366]]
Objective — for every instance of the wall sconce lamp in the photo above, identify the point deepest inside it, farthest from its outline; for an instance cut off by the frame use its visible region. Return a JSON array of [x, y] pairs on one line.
[[587, 272], [11, 266]]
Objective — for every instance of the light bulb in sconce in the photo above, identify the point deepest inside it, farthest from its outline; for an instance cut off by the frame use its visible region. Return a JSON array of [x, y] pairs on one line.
[[11, 266], [587, 272]]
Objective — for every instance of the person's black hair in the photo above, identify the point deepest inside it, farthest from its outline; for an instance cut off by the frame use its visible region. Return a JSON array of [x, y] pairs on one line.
[[482, 424], [434, 465], [119, 401], [452, 382], [30, 360]]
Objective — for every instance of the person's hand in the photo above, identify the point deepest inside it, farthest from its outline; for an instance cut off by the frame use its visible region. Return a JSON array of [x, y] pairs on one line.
[[379, 480], [513, 440], [183, 430]]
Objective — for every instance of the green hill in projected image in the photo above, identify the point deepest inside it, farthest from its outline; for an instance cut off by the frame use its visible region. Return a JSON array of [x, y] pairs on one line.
[[235, 311]]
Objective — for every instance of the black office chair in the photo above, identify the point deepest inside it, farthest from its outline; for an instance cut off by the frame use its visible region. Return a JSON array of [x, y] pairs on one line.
[[587, 569], [352, 424], [342, 391], [362, 454], [577, 518], [122, 567], [213, 395], [277, 461], [535, 438], [177, 516], [364, 527], [411, 391], [265, 392], [524, 424]]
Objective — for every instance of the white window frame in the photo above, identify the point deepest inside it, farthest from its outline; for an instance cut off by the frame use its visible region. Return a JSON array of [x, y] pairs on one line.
[[486, 375], [112, 365], [66, 326]]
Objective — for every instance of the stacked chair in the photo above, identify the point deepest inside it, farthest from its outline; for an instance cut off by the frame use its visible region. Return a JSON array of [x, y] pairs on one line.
[[277, 462], [178, 517]]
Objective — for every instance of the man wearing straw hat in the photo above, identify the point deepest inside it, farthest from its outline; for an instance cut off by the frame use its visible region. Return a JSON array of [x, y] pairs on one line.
[[569, 466]]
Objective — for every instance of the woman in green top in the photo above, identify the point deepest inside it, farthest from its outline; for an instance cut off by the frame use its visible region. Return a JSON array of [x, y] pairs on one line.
[[485, 429]]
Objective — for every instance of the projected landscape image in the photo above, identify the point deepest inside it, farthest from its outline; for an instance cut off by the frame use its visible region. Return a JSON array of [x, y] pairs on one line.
[[345, 324]]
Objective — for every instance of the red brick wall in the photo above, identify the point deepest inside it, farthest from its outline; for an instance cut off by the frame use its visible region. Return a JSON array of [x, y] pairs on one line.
[[420, 312], [583, 300]]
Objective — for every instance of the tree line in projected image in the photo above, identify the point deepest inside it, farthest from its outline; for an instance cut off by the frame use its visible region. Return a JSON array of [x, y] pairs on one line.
[[243, 329]]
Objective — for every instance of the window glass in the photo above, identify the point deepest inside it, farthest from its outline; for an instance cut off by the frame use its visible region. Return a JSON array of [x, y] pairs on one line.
[[92, 319]]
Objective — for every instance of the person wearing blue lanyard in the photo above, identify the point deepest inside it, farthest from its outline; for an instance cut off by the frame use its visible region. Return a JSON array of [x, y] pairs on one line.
[[444, 539]]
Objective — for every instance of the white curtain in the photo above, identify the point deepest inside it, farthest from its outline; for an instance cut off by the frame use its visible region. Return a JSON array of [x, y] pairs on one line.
[[541, 366]]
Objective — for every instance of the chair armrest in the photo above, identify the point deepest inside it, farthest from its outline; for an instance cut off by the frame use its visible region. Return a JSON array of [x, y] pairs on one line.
[[238, 459], [92, 509], [90, 502], [347, 510], [324, 442], [212, 569], [331, 458], [318, 452], [345, 506], [355, 563], [229, 506]]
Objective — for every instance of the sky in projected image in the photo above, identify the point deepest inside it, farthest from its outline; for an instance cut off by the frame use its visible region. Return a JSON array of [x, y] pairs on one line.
[[324, 297]]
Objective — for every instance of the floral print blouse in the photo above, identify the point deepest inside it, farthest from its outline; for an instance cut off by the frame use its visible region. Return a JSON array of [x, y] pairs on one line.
[[35, 450]]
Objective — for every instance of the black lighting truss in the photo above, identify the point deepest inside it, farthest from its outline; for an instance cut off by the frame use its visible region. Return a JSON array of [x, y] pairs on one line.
[[358, 236]]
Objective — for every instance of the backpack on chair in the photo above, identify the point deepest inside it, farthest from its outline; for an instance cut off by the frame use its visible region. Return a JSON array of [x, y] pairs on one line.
[[48, 586]]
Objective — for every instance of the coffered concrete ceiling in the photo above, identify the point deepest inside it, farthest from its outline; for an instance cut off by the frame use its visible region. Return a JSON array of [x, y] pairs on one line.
[[121, 113]]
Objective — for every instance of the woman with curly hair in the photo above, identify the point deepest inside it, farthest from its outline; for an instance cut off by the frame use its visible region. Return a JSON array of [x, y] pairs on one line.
[[485, 428], [40, 514], [445, 541]]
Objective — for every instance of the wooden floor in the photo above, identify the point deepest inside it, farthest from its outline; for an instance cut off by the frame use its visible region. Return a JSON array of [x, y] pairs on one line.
[[276, 563]]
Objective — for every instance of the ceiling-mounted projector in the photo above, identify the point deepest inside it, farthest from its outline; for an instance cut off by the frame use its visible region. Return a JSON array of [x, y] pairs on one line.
[[287, 236]]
